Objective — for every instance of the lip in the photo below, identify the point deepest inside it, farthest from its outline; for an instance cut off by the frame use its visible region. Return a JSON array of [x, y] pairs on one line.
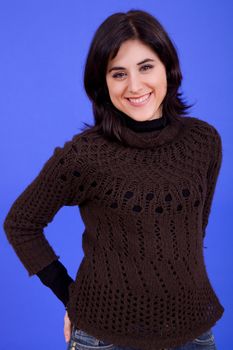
[[139, 96], [141, 103]]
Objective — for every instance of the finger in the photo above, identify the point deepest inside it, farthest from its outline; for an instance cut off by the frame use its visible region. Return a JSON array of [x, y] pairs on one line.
[[67, 334], [67, 330]]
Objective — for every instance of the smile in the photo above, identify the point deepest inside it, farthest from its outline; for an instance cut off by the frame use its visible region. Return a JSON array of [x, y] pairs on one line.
[[139, 101]]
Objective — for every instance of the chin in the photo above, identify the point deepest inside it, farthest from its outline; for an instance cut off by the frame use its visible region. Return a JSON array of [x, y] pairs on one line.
[[142, 116]]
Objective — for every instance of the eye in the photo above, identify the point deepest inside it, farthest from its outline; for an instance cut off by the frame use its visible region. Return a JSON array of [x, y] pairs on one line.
[[146, 67], [121, 75], [118, 75]]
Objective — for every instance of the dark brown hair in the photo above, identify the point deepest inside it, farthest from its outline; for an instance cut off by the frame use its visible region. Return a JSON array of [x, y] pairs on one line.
[[116, 29]]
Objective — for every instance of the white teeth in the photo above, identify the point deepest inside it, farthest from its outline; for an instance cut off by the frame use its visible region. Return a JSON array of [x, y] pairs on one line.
[[139, 100]]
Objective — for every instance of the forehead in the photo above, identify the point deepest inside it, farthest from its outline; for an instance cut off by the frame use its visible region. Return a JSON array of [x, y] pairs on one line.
[[135, 50]]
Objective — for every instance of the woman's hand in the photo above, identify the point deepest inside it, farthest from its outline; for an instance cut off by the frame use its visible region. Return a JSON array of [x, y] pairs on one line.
[[67, 327]]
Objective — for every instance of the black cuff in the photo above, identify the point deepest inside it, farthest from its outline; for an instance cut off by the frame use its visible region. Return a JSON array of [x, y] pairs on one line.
[[55, 277]]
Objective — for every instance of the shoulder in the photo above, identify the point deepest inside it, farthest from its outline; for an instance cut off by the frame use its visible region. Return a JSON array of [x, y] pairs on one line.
[[72, 151], [79, 144], [199, 127]]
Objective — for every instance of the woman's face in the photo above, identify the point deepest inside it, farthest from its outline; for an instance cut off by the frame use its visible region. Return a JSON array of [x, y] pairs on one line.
[[136, 81]]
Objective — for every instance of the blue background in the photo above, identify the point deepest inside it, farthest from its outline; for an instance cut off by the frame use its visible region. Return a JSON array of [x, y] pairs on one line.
[[43, 104]]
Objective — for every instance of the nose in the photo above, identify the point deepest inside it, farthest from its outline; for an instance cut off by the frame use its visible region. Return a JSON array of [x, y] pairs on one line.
[[134, 84]]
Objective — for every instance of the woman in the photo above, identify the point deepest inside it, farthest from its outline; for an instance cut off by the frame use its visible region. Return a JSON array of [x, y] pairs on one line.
[[144, 178]]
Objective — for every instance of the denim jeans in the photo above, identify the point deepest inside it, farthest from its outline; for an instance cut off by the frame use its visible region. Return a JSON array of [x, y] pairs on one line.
[[81, 340]]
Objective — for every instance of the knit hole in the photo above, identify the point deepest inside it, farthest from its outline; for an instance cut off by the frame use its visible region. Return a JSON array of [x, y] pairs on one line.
[[149, 196], [114, 205], [168, 197], [179, 207], [76, 173], [63, 177], [128, 194], [137, 208], [159, 210], [185, 192], [81, 188]]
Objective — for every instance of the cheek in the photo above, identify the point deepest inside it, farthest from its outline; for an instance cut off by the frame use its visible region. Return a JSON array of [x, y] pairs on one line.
[[161, 84], [163, 79], [115, 91], [159, 79]]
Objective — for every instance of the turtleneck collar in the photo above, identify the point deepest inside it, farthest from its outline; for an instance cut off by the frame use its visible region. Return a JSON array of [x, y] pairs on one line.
[[150, 133], [147, 125]]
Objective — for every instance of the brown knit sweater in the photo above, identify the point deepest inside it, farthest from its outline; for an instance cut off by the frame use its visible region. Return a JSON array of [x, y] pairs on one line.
[[145, 204]]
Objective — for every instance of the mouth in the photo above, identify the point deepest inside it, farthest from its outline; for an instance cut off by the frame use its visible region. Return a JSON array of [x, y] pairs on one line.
[[140, 101]]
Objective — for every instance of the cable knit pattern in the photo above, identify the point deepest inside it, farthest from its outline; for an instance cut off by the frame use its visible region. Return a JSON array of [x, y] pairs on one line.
[[145, 204]]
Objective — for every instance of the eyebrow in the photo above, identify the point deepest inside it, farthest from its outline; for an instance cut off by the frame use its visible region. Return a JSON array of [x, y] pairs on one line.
[[123, 68]]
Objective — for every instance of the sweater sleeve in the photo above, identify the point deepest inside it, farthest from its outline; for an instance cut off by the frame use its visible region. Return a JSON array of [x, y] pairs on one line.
[[60, 182], [212, 177]]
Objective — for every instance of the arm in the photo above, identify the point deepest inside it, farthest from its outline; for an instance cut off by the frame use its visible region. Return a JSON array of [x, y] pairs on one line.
[[60, 182], [212, 176]]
